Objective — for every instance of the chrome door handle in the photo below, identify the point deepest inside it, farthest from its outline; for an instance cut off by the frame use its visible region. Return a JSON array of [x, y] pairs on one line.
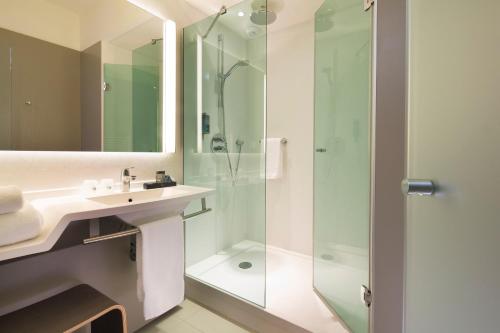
[[421, 187]]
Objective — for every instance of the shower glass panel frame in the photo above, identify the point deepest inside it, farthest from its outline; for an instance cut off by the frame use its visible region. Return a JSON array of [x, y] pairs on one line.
[[224, 149], [6, 114], [342, 159]]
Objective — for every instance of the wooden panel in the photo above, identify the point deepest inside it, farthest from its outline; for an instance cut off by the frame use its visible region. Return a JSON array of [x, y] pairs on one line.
[[67, 312]]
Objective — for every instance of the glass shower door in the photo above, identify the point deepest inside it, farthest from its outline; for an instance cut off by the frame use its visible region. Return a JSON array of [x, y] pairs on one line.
[[132, 107], [342, 158], [224, 141]]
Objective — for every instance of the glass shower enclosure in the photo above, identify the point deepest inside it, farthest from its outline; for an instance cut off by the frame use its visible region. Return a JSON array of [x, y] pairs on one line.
[[224, 149], [133, 101], [342, 158]]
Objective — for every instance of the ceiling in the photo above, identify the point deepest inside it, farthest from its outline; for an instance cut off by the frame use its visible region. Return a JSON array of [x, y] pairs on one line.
[[140, 35], [289, 12], [79, 7]]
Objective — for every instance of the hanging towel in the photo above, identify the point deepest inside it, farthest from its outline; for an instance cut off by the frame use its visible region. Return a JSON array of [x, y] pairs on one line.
[[274, 159], [11, 199], [20, 226], [160, 265]]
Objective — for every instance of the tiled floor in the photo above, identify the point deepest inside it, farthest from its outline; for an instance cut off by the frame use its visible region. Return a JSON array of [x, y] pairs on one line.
[[189, 317]]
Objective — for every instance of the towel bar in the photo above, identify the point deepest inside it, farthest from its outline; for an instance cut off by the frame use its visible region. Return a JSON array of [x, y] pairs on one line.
[[283, 140], [130, 232], [203, 210], [135, 231]]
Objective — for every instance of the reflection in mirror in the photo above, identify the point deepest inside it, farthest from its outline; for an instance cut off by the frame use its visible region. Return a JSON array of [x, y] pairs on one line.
[[81, 76]]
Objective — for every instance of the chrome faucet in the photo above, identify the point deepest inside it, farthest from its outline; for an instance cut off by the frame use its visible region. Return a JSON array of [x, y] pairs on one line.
[[126, 177]]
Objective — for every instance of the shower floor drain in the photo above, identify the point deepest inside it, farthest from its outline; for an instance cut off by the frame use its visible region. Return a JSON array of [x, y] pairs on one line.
[[245, 265]]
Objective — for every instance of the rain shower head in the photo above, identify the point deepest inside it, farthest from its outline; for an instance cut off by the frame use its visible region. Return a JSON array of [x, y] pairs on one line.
[[263, 16], [262, 13]]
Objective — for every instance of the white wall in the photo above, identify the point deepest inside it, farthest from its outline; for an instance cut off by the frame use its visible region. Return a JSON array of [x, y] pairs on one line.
[[290, 115], [43, 20]]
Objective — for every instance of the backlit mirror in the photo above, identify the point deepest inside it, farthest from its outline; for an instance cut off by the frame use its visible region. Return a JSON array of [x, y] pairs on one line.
[[85, 75]]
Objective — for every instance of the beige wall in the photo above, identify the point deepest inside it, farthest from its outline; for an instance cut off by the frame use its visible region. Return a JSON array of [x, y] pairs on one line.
[[51, 83], [43, 20], [290, 115], [109, 20], [90, 97]]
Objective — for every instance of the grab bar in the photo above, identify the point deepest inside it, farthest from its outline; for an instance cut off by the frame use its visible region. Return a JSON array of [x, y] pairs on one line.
[[135, 231]]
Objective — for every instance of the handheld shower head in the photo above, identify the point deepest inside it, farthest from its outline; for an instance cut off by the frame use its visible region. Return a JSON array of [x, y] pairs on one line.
[[241, 63]]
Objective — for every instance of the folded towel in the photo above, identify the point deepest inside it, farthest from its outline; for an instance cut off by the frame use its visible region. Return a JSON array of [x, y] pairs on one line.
[[20, 226], [160, 265], [11, 199], [274, 159]]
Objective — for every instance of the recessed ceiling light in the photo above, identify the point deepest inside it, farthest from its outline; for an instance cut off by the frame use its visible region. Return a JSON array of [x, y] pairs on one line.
[[241, 14]]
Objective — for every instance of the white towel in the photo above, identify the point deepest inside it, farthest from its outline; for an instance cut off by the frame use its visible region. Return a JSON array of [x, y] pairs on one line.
[[274, 159], [160, 265], [11, 199], [20, 226]]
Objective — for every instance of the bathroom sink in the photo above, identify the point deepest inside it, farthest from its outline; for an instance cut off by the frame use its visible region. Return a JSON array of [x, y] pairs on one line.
[[59, 208], [138, 196]]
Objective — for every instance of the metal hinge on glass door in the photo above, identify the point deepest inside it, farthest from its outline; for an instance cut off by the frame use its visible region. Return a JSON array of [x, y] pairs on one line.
[[366, 295], [367, 4]]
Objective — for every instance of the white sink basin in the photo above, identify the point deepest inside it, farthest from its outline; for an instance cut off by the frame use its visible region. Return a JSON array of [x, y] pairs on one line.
[[138, 196], [59, 210]]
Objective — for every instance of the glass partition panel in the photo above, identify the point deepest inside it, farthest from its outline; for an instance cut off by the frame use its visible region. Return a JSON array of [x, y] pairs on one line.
[[132, 103], [224, 146], [342, 158]]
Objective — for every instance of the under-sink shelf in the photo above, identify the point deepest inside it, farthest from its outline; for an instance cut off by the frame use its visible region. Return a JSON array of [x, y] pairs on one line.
[[67, 312]]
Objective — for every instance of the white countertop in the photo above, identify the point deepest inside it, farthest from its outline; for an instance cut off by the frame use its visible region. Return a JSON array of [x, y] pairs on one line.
[[58, 209]]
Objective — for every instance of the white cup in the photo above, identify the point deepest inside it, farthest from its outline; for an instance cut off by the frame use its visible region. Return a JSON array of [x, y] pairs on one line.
[[106, 185], [89, 186]]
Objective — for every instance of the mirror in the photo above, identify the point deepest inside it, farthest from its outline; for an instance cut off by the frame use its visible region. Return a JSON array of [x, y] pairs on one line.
[[82, 75]]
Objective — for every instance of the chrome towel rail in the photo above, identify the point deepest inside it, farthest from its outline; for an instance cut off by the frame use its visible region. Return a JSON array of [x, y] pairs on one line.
[[120, 234], [203, 210], [135, 231], [283, 140]]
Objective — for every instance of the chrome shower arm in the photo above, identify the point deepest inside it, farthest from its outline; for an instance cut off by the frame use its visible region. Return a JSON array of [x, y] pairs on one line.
[[222, 11]]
